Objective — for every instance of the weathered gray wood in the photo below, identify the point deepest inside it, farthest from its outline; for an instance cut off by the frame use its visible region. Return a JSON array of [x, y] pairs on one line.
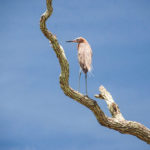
[[117, 122]]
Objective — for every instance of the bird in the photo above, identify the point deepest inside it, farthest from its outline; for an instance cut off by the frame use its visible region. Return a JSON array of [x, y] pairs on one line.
[[84, 58]]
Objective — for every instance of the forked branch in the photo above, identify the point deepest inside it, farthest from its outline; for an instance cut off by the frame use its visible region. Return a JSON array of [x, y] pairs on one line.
[[117, 122]]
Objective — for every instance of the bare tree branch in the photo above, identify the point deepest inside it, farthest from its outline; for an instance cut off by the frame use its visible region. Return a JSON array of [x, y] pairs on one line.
[[112, 106], [117, 122]]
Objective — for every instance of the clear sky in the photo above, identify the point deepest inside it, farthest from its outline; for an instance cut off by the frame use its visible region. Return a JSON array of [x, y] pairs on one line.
[[34, 112]]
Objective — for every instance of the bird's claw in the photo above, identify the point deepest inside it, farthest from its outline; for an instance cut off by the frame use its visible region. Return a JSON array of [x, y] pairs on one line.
[[86, 96]]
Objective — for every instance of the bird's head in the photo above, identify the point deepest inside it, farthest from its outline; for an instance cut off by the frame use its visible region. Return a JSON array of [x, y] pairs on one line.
[[78, 40]]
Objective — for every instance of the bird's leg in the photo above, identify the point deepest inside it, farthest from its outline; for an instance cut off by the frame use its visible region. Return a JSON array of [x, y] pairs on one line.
[[86, 83], [79, 80]]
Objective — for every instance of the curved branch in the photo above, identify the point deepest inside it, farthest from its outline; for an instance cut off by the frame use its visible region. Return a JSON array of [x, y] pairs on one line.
[[116, 123]]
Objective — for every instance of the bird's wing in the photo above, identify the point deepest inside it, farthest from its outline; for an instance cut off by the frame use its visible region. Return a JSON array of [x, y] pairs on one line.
[[85, 57]]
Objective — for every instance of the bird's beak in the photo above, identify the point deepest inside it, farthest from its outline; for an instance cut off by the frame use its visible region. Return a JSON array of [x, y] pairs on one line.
[[72, 41]]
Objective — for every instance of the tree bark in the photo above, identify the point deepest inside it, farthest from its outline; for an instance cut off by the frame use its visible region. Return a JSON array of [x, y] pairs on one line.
[[117, 121]]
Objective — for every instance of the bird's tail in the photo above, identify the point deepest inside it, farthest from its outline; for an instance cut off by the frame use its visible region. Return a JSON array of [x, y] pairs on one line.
[[91, 72]]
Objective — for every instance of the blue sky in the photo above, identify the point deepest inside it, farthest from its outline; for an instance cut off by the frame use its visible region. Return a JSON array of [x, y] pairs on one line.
[[34, 112]]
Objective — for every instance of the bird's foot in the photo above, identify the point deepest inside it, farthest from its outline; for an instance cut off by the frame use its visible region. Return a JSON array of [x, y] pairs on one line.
[[86, 96]]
